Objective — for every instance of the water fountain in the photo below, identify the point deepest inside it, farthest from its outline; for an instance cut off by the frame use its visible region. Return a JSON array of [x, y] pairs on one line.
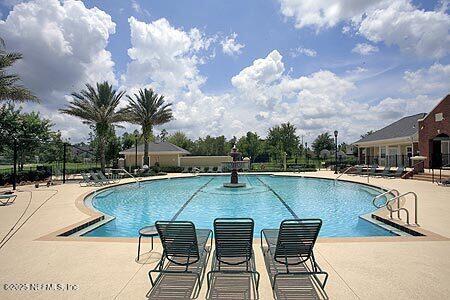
[[235, 164]]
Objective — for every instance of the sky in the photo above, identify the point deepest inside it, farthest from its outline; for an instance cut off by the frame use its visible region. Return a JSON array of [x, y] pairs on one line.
[[229, 67]]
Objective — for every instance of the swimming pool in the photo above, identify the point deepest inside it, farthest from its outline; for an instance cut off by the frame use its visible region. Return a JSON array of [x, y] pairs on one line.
[[267, 199]]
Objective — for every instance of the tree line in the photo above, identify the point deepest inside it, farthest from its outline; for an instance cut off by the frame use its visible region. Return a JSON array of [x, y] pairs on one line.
[[98, 106]]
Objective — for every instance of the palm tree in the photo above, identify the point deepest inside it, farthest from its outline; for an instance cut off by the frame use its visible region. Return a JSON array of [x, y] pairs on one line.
[[147, 109], [9, 89], [96, 106]]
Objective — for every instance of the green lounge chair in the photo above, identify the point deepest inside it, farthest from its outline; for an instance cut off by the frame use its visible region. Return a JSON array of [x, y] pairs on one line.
[[372, 171], [6, 199], [234, 248], [398, 172], [358, 171], [185, 252], [97, 179], [386, 172], [104, 178], [289, 248]]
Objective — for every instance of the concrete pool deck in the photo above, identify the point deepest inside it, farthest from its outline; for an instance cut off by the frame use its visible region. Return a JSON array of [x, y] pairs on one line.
[[365, 268]]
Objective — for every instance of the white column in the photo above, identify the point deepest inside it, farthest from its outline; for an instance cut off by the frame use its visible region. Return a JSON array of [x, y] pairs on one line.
[[179, 160]]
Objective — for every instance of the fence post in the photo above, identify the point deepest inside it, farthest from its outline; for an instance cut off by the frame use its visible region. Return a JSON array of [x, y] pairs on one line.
[[64, 162], [15, 165]]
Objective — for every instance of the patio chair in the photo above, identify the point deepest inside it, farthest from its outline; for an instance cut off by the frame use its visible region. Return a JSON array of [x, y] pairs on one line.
[[398, 172], [185, 251], [104, 178], [289, 248], [6, 199], [386, 172], [97, 180], [87, 181], [358, 171], [234, 248], [372, 171]]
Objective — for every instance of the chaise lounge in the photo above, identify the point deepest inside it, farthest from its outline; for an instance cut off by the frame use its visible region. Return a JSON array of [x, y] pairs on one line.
[[289, 248], [234, 248], [185, 251]]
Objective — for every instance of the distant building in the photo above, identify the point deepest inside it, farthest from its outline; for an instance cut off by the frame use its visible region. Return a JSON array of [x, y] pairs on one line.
[[420, 134], [164, 153]]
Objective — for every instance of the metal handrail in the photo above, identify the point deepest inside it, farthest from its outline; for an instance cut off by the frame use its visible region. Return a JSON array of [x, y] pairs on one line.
[[391, 209], [129, 174], [346, 170], [383, 194]]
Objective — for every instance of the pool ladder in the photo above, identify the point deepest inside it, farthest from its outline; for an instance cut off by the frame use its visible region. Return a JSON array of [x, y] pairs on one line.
[[390, 203]]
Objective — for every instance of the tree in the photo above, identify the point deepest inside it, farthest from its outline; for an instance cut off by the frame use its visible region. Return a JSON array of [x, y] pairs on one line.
[[211, 146], [9, 87], [281, 139], [26, 131], [147, 109], [163, 135], [366, 134], [128, 140], [250, 145], [97, 106], [323, 141], [181, 140]]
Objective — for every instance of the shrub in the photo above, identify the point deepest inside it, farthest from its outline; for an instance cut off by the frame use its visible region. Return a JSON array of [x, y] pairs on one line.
[[215, 169], [171, 169]]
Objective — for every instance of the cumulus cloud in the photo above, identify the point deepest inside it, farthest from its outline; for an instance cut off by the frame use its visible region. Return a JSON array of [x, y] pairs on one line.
[[435, 80], [321, 13], [167, 59], [63, 47], [393, 22], [423, 33], [303, 51], [364, 49], [230, 46]]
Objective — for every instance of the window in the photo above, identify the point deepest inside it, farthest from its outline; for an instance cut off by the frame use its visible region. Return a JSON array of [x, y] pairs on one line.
[[439, 117], [383, 152]]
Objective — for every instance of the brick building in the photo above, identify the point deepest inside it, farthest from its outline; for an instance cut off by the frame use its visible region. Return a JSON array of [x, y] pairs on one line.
[[424, 134], [434, 132]]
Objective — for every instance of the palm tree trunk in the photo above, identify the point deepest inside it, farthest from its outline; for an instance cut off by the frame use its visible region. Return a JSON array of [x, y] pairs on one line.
[[146, 158], [101, 150]]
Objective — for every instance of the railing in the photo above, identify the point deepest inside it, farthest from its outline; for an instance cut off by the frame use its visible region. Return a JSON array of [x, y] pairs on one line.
[[389, 204], [346, 170], [416, 168], [390, 160], [392, 191], [129, 174]]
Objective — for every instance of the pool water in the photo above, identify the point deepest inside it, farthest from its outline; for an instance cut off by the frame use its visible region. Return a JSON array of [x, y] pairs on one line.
[[267, 199]]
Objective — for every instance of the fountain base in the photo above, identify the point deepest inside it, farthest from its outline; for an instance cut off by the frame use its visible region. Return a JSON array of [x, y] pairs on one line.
[[234, 185]]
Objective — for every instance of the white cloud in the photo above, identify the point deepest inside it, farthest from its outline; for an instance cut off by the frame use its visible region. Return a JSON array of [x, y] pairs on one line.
[[321, 13], [167, 59], [303, 51], [364, 49], [63, 47], [230, 46], [423, 33], [394, 22], [434, 80]]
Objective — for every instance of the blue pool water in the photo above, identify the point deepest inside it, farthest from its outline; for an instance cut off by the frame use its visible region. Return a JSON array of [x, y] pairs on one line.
[[267, 199]]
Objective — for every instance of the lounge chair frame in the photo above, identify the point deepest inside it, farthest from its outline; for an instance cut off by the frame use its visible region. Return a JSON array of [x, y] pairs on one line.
[[294, 240], [8, 198], [234, 247], [184, 251]]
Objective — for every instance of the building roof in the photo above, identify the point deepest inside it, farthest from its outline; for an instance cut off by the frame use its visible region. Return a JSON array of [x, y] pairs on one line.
[[156, 148], [403, 128]]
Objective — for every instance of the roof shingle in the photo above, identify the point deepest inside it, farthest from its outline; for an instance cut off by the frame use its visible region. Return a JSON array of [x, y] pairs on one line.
[[404, 127]]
